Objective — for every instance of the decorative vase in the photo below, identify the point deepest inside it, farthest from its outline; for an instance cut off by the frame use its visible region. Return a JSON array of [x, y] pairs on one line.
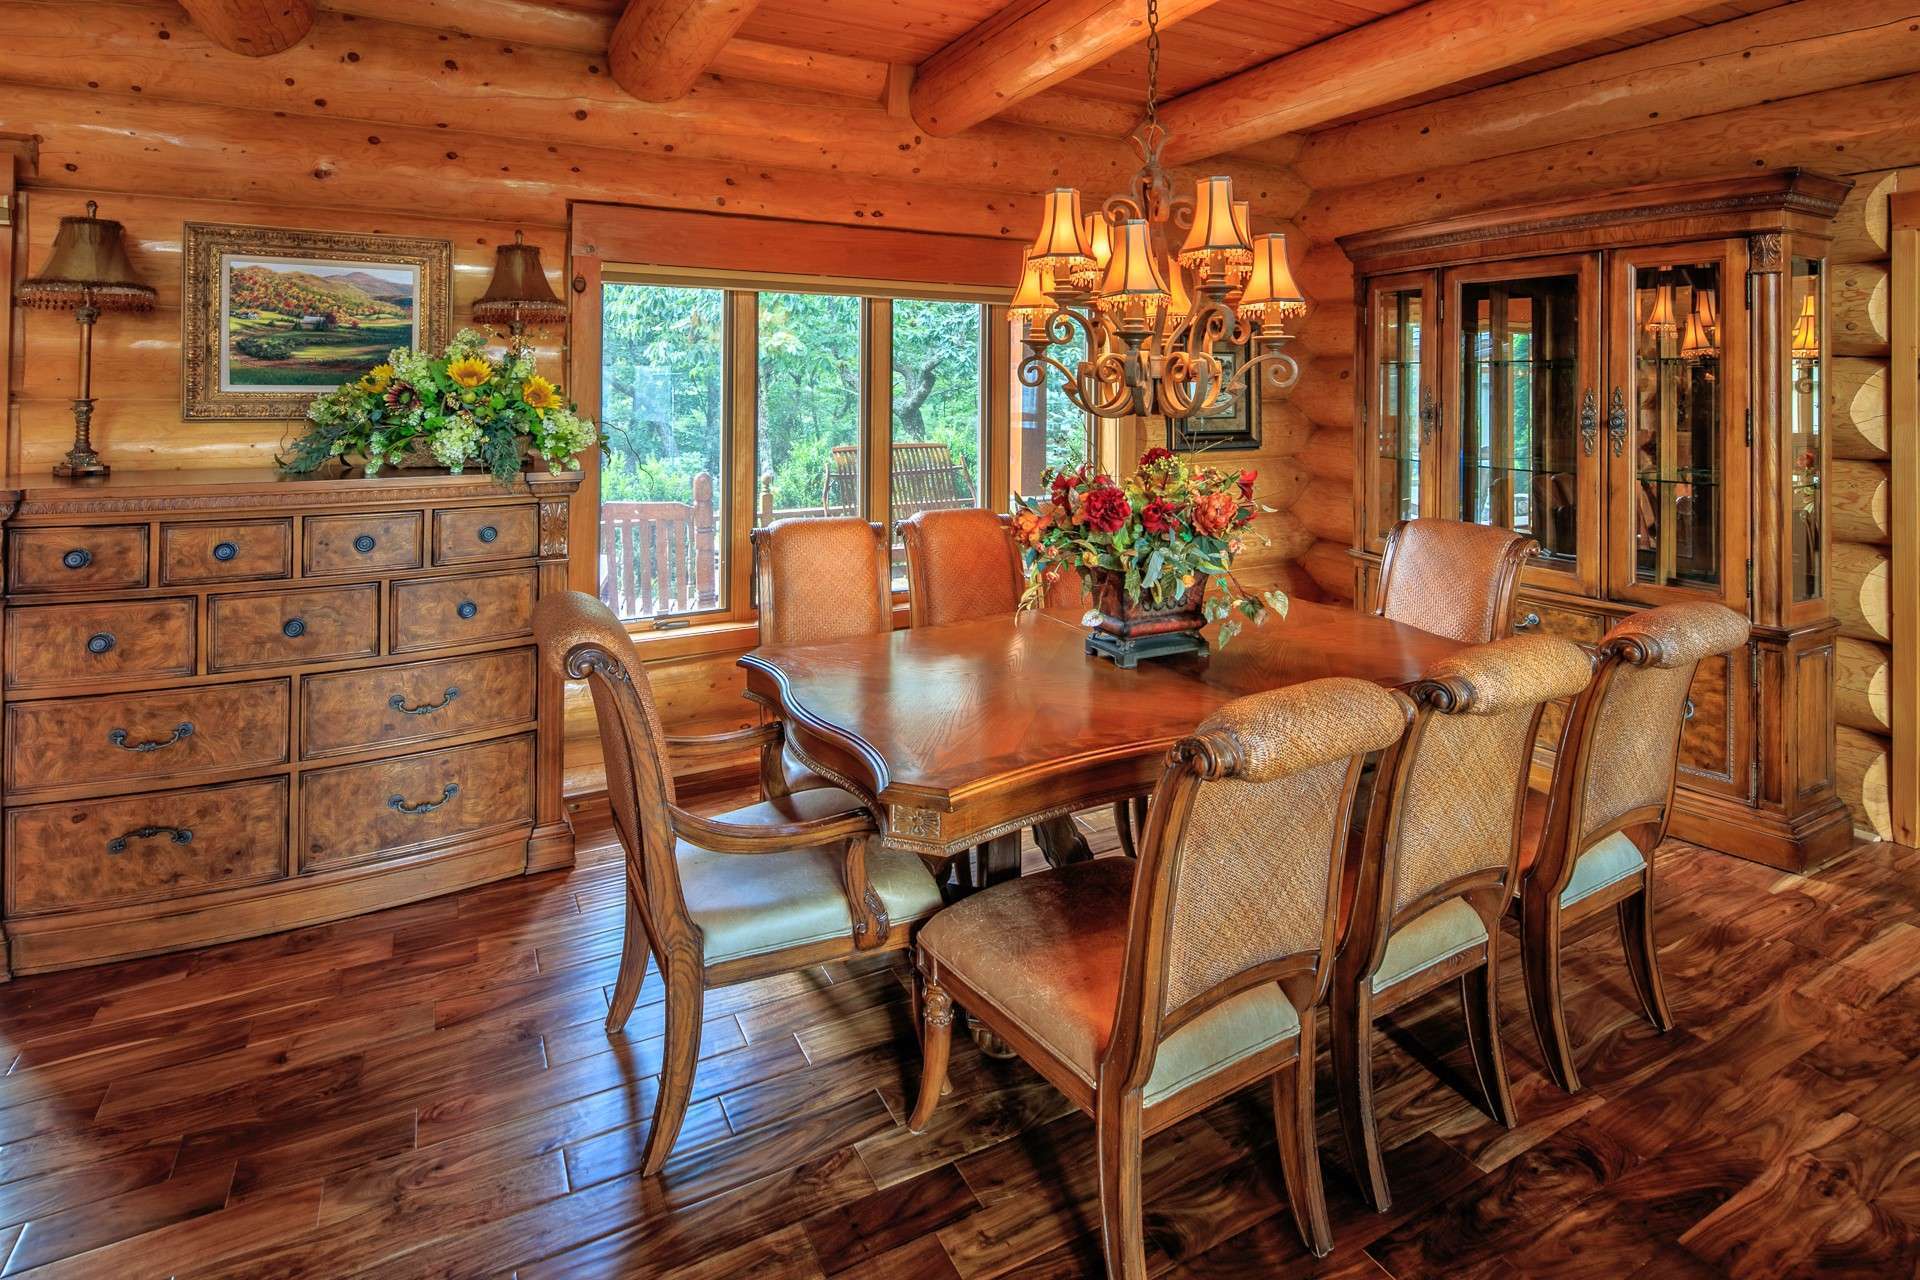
[[1131, 629]]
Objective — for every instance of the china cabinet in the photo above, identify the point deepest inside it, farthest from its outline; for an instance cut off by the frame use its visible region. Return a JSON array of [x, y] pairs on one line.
[[1634, 381]]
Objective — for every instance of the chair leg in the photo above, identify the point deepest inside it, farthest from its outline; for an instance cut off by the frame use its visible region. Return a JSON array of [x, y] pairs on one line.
[[633, 970], [1353, 1078], [1643, 960], [1123, 824], [686, 1008], [1122, 1225], [1540, 967], [1299, 1147], [1480, 994], [936, 1042]]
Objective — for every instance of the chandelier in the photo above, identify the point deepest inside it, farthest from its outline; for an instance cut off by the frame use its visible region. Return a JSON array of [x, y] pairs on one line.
[[1155, 320]]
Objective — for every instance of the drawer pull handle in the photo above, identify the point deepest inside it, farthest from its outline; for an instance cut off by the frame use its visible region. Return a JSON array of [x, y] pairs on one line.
[[100, 642], [1527, 623], [118, 737], [78, 558], [178, 835], [467, 609], [399, 703], [364, 543], [425, 806], [488, 533], [224, 551], [294, 629], [1687, 714]]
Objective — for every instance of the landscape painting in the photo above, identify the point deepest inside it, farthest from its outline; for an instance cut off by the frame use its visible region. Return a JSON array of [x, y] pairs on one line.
[[275, 317]]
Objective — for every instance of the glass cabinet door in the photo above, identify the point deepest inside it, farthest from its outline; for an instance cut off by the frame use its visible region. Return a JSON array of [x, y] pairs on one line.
[[1402, 401], [1805, 448], [1679, 495]]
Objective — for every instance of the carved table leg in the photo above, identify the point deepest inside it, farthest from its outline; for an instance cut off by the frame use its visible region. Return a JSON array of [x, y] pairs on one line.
[[1000, 860], [1060, 840]]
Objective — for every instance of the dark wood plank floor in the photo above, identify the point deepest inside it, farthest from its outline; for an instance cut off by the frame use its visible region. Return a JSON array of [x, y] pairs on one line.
[[428, 1092]]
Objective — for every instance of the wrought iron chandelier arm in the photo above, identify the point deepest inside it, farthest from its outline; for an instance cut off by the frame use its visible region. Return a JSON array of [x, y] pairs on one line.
[[1278, 372]]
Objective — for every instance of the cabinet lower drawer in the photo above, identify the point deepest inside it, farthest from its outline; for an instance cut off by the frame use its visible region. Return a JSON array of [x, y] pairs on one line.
[[58, 644], [169, 844], [431, 612], [347, 710], [104, 557], [362, 812], [235, 551], [271, 628], [140, 737]]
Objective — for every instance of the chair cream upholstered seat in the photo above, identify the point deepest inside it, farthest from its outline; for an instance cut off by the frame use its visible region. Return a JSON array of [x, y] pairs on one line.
[[1437, 936], [1052, 947], [1607, 863]]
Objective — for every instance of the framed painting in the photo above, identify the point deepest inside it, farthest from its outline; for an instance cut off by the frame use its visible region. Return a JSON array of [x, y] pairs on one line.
[[273, 318], [1233, 424]]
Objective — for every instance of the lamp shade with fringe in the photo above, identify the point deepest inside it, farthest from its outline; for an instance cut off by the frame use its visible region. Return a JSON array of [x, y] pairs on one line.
[[87, 268], [519, 293]]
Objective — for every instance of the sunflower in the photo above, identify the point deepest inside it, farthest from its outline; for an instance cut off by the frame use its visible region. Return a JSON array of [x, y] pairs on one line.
[[376, 379], [469, 371], [539, 393]]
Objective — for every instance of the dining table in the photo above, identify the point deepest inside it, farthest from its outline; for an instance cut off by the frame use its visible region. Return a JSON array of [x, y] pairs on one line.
[[959, 736]]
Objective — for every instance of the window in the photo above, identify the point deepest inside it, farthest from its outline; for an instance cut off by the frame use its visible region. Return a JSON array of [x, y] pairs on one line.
[[1048, 431], [809, 405], [938, 402]]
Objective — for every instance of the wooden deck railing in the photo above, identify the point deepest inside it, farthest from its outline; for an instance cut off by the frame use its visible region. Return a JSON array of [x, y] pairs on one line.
[[660, 557]]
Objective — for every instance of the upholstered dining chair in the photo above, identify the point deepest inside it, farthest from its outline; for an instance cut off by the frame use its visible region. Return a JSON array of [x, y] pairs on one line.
[[1608, 808], [816, 581], [1145, 989], [1435, 867], [1452, 578], [784, 884]]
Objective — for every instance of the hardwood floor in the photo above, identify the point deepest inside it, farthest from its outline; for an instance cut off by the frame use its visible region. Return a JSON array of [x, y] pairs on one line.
[[429, 1092]]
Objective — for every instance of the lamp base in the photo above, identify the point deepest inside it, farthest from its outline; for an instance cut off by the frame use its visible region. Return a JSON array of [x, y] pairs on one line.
[[88, 466]]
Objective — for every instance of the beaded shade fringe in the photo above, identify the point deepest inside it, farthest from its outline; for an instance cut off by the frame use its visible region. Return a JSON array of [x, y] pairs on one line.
[[66, 295]]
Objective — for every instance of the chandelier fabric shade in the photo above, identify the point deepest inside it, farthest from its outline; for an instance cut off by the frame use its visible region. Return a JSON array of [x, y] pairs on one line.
[[1062, 243], [1271, 296], [1215, 233], [1100, 240], [1133, 291]]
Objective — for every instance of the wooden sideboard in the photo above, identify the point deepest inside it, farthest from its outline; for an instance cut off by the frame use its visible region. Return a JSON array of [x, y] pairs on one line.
[[236, 703]]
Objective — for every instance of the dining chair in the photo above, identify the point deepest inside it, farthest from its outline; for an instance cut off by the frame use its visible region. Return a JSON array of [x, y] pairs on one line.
[[780, 885], [1452, 578], [816, 581], [1608, 808], [1145, 989], [1435, 867]]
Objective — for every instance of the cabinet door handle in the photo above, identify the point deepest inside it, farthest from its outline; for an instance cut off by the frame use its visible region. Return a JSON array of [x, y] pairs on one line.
[[177, 835], [119, 738], [294, 628], [1527, 623], [1589, 423], [1617, 421], [399, 703], [1687, 712], [425, 806], [488, 533], [100, 642], [224, 551], [1429, 414], [78, 558], [467, 608], [364, 543]]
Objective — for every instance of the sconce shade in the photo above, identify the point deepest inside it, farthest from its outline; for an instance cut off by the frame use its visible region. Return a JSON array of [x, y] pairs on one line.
[[88, 267], [519, 290], [1694, 343], [1660, 320], [1271, 293], [1707, 307], [1806, 331], [1062, 242]]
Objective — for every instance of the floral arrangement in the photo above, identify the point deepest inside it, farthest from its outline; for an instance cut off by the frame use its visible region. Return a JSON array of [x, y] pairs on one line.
[[463, 405], [1168, 527]]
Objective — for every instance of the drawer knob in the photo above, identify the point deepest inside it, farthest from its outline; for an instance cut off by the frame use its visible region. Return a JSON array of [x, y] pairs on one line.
[[467, 609], [224, 551], [364, 543], [1687, 713], [176, 835], [399, 703], [1527, 623], [425, 806], [100, 642], [294, 629], [488, 533], [118, 737], [78, 558]]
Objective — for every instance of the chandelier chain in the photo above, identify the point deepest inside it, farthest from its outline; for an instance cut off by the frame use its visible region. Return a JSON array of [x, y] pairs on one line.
[[1153, 62]]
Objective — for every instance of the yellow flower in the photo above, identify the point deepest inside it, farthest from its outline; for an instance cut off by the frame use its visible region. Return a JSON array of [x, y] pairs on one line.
[[539, 393], [469, 371], [377, 378]]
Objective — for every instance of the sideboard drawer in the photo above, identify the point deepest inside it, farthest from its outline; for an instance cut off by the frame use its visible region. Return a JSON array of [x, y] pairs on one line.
[[85, 643], [237, 552], [138, 737], [465, 534], [269, 628], [361, 543], [166, 844], [105, 558], [362, 812], [431, 612], [348, 710]]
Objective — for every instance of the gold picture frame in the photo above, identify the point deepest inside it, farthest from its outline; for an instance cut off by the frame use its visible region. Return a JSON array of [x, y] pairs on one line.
[[339, 301]]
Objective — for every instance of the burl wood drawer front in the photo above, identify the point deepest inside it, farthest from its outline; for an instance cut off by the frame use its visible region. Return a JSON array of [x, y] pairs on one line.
[[430, 612], [165, 845], [107, 557], [361, 812], [272, 628], [83, 643], [348, 710], [465, 534], [237, 552], [143, 736], [361, 543]]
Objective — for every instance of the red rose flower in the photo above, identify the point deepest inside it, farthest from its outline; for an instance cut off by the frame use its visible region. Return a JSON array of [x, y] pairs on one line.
[[1107, 509], [1214, 513], [1156, 454], [1160, 516], [1246, 485]]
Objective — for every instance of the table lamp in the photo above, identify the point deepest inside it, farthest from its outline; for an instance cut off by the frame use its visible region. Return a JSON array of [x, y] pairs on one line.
[[518, 293], [87, 273]]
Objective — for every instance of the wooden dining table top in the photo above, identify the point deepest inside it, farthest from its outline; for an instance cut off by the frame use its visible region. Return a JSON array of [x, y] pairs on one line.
[[964, 732]]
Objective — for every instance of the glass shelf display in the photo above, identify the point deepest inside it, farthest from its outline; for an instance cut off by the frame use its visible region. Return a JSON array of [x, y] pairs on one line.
[[1804, 305], [1675, 426], [1403, 404]]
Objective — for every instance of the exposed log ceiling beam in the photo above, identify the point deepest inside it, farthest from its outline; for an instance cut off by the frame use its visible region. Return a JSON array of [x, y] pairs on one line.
[[1023, 49], [534, 22], [659, 48], [253, 27], [1428, 47]]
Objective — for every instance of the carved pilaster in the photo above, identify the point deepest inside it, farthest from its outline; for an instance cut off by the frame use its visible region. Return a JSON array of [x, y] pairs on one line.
[[553, 529]]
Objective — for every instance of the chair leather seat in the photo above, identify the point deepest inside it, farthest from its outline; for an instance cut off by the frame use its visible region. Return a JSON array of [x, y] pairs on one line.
[[801, 778], [1609, 862], [752, 904], [1047, 951]]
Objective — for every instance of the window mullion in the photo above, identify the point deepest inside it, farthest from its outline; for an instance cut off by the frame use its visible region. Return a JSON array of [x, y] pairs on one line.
[[876, 404], [742, 408]]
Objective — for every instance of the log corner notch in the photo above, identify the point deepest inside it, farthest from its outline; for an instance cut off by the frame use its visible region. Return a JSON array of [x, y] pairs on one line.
[[1024, 49], [660, 48], [255, 28]]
